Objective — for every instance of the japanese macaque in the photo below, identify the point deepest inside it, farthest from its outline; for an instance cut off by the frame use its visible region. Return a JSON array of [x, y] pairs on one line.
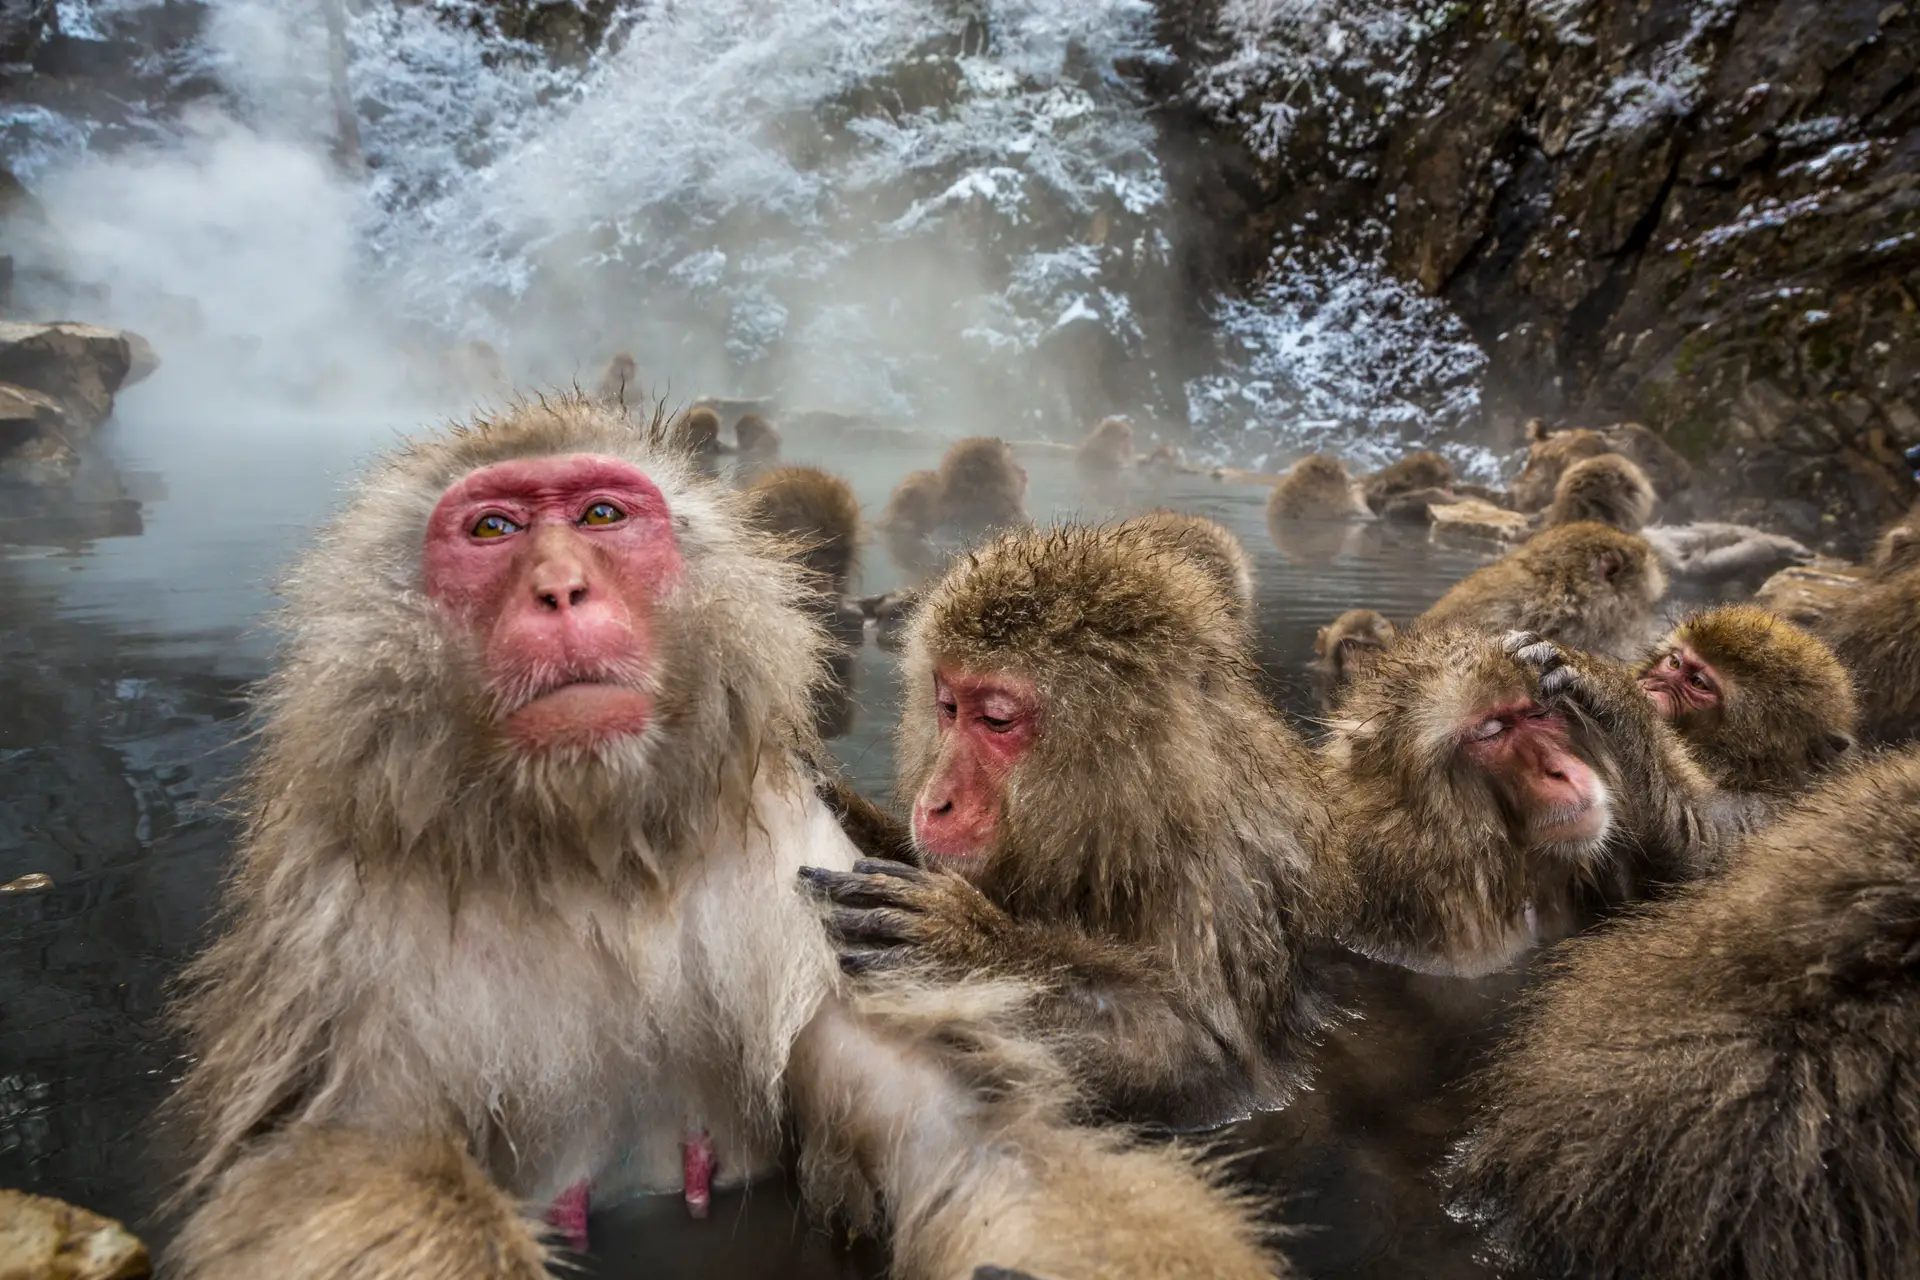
[[697, 432], [1211, 545], [1494, 791], [1724, 1085], [819, 518], [1347, 646], [1762, 705], [1712, 553], [891, 613], [982, 488], [620, 382], [908, 523], [1106, 807], [757, 441], [514, 920], [1549, 454], [1416, 473], [1874, 629], [1107, 450], [1315, 488], [1608, 489], [1584, 585]]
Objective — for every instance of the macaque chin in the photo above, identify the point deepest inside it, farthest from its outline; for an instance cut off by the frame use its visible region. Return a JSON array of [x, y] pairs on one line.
[[986, 724]]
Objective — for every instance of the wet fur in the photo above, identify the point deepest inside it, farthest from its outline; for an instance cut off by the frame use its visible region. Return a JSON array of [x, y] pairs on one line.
[[1726, 1086], [1607, 489], [1315, 488], [981, 487], [1423, 469], [1212, 547], [818, 512], [1343, 648], [1874, 629]]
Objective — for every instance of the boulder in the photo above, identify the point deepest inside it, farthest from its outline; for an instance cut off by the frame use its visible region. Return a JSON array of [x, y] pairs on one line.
[[1476, 520], [46, 1239], [80, 365]]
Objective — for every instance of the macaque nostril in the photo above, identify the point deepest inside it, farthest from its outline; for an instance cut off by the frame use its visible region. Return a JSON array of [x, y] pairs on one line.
[[548, 600], [577, 597]]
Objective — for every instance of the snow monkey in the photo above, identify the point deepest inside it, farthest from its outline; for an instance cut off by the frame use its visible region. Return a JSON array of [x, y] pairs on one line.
[[1106, 806], [819, 517], [1761, 704], [1875, 631], [1107, 449], [1608, 489], [1344, 648], [1585, 585], [1315, 488], [620, 382], [1211, 545], [1493, 791], [514, 920], [1724, 1085]]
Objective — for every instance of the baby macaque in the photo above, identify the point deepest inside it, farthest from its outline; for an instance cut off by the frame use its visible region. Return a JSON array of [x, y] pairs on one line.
[[1724, 1084], [1585, 585], [1762, 705], [1343, 649], [1106, 806], [1605, 489], [513, 922]]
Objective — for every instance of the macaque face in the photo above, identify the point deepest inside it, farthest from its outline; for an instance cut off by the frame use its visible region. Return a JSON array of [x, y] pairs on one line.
[[986, 725], [1683, 686], [1525, 750], [555, 566]]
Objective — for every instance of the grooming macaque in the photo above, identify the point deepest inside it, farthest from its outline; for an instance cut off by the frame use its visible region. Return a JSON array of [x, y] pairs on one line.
[[1343, 649], [1493, 792], [697, 432], [1315, 488], [1106, 807], [620, 382], [1724, 1085], [514, 921], [1107, 450], [1211, 545], [757, 441], [1584, 585], [1607, 489], [1763, 706], [1874, 629], [1549, 454], [1418, 472], [982, 489]]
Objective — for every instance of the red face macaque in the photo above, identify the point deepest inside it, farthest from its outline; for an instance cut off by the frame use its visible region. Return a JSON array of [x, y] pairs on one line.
[[513, 920], [1523, 749], [1682, 685], [986, 724]]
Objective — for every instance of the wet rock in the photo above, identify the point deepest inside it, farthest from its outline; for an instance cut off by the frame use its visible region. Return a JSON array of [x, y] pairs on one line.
[[32, 882], [79, 365], [46, 1239], [1474, 520]]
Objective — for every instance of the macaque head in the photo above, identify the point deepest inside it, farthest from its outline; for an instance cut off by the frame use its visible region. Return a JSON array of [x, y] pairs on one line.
[[1352, 641], [538, 618], [1549, 454], [1058, 692], [1763, 701]]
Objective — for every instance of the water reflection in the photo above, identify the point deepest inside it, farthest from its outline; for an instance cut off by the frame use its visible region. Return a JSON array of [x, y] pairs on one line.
[[122, 668]]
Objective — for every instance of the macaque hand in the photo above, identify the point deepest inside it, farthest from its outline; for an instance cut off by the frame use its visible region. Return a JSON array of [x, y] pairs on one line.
[[887, 915], [1545, 659]]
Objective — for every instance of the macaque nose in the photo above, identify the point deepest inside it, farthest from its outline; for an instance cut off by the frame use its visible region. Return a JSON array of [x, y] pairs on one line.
[[560, 584]]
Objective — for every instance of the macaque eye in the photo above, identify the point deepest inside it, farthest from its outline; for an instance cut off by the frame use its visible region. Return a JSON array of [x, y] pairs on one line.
[[494, 526], [1699, 681], [1488, 729], [995, 724], [603, 513], [948, 708]]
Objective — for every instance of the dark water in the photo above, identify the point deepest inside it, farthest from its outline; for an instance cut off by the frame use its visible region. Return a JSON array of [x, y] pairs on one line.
[[123, 662]]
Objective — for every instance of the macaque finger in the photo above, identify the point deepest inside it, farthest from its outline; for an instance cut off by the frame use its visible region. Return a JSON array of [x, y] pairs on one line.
[[855, 889], [1514, 641], [883, 867], [857, 964], [880, 927]]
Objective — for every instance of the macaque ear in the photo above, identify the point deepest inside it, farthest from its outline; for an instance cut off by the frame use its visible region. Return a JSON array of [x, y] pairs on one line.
[[1608, 564], [1834, 745]]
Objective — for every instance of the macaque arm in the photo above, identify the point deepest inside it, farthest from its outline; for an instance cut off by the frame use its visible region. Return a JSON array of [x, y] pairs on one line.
[[1670, 807], [874, 832], [318, 1203], [1136, 1041], [913, 1093]]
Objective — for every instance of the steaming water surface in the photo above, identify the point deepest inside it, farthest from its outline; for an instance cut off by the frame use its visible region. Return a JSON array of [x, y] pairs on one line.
[[122, 670]]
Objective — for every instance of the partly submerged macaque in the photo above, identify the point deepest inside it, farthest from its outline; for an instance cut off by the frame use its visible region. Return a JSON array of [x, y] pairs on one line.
[[514, 921], [1107, 807], [1343, 649]]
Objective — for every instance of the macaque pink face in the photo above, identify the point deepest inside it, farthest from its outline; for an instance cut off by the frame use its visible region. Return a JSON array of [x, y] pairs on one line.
[[556, 564], [987, 724], [1683, 685], [1525, 749]]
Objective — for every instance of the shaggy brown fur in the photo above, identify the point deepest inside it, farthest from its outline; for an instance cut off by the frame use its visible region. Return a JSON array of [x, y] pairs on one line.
[[815, 511], [1786, 710], [1212, 546], [1107, 450], [1422, 470], [1670, 473], [1726, 1086], [1448, 879], [1584, 585], [1606, 489], [1874, 629], [697, 433], [620, 383], [1549, 454], [757, 441], [1162, 850], [1315, 488], [982, 488], [909, 521], [1344, 648], [444, 985]]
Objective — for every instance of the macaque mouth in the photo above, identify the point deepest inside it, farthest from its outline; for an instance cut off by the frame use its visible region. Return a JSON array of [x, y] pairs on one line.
[[1578, 823], [581, 712]]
